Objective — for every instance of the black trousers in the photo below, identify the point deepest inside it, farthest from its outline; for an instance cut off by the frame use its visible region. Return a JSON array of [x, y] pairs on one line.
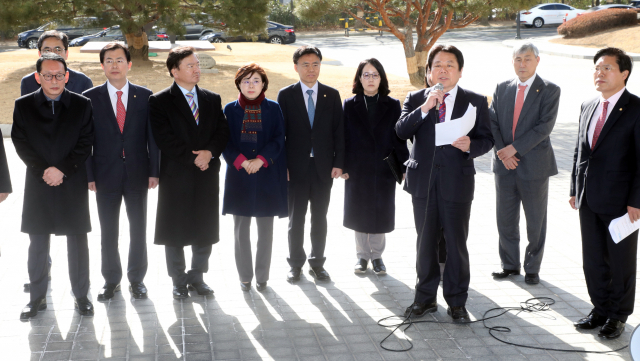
[[452, 219], [38, 264], [317, 192], [176, 264], [609, 268], [109, 204]]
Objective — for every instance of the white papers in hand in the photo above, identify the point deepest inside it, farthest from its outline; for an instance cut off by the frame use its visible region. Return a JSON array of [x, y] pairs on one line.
[[621, 227], [447, 132]]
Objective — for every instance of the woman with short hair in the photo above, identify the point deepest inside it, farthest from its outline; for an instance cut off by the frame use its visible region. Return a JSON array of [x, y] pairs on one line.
[[256, 178], [370, 137]]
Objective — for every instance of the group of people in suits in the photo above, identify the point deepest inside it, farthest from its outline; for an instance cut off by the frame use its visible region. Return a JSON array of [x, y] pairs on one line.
[[282, 157]]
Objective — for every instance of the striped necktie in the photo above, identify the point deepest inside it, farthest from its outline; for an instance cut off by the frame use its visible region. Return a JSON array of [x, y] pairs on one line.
[[194, 107]]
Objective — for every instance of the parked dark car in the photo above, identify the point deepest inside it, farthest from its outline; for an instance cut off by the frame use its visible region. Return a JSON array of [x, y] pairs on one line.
[[114, 34], [81, 27], [635, 3], [197, 26], [276, 34]]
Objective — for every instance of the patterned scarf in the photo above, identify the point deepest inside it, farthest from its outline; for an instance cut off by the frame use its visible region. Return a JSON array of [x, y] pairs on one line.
[[252, 121]]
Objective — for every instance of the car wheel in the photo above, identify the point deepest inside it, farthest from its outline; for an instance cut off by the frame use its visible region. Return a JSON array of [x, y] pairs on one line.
[[32, 43], [275, 40], [538, 22], [218, 40]]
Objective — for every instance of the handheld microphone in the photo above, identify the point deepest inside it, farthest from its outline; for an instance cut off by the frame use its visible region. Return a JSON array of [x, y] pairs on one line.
[[439, 87]]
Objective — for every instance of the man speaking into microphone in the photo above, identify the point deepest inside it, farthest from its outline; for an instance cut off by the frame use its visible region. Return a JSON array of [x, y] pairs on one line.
[[440, 180]]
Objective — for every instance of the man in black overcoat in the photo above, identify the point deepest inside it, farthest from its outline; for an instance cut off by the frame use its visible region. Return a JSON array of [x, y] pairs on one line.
[[191, 132], [124, 165], [315, 156], [441, 180], [53, 133]]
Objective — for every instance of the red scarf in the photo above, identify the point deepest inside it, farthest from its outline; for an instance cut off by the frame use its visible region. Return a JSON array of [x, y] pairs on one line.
[[252, 120], [244, 101]]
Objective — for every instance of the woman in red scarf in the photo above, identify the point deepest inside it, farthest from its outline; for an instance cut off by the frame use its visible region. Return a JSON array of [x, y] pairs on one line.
[[256, 179]]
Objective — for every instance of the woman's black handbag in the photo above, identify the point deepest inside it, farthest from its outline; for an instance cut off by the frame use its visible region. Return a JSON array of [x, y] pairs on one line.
[[394, 164]]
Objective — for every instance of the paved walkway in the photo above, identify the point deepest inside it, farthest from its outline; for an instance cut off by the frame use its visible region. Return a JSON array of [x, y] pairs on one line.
[[308, 320]]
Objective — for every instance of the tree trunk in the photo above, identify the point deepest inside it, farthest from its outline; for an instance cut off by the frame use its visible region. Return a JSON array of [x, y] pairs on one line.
[[416, 72], [138, 46]]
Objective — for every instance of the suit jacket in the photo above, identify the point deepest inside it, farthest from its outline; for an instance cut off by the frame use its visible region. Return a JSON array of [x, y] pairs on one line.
[[188, 210], [262, 194], [62, 140], [610, 172], [78, 83], [142, 156], [456, 168], [5, 179], [326, 138], [532, 141], [370, 191]]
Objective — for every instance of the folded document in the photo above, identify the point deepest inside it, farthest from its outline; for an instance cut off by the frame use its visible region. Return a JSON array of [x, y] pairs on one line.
[[448, 132], [621, 227]]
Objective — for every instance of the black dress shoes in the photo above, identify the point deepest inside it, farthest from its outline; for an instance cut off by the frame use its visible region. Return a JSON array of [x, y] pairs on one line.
[[84, 306], [245, 286], [261, 286], [108, 291], [378, 267], [531, 278], [459, 314], [202, 288], [180, 292], [32, 308], [590, 322], [138, 290], [319, 273], [361, 266], [418, 309], [612, 329], [505, 273], [294, 274]]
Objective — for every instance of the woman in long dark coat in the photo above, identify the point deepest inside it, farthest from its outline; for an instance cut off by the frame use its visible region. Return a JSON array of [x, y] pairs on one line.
[[370, 188], [256, 179]]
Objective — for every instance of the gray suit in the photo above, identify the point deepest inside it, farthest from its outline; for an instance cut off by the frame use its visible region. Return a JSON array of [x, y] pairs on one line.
[[529, 182]]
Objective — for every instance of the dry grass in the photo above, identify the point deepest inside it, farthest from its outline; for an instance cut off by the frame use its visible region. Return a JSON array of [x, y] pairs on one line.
[[627, 38], [276, 59]]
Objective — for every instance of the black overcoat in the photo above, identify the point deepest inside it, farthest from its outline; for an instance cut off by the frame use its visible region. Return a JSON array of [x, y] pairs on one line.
[[64, 141], [369, 195], [188, 201], [262, 194]]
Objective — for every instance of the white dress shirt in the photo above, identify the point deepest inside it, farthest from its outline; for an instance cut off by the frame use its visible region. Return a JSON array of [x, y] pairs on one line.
[[314, 95], [114, 97], [594, 120], [449, 101], [526, 90]]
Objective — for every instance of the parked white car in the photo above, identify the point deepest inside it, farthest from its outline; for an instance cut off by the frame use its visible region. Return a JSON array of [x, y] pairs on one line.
[[545, 14]]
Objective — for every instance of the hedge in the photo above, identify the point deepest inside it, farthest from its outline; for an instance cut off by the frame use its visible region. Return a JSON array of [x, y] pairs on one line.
[[590, 23]]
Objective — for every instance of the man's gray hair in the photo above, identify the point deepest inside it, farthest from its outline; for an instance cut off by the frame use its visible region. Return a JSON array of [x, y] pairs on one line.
[[525, 47]]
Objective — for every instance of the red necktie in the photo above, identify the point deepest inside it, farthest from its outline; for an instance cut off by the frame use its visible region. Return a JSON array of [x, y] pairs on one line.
[[121, 114], [518, 108], [442, 110], [599, 124]]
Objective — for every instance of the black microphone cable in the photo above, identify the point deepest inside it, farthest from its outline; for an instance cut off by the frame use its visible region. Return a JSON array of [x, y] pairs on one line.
[[532, 305]]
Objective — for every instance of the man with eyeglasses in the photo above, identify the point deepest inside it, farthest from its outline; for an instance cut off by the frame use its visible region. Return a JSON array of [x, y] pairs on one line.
[[55, 42], [53, 133], [523, 113], [124, 164], [605, 185], [191, 131], [315, 157]]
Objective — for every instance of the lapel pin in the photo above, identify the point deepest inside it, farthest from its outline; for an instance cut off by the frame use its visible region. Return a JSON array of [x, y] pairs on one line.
[[620, 109], [325, 95], [537, 90], [134, 96]]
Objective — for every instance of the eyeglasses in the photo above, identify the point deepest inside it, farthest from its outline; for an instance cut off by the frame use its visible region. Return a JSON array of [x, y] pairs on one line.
[[603, 69], [57, 50], [367, 76], [248, 82], [48, 77], [118, 61]]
